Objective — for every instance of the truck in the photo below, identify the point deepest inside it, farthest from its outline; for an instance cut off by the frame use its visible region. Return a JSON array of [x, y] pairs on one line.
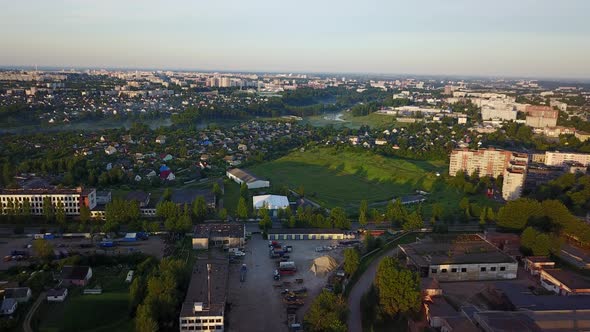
[[106, 244], [287, 268], [243, 271]]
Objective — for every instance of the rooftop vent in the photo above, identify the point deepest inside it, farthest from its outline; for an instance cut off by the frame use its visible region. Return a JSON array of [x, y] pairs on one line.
[[198, 306]]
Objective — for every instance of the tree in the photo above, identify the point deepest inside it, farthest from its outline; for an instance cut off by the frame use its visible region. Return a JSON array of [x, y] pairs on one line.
[[48, 211], [338, 218], [398, 288], [265, 223], [413, 221], [244, 191], [363, 211], [437, 211], [167, 210], [43, 249], [217, 190], [327, 313], [84, 213], [516, 214], [200, 209], [396, 212], [60, 213], [167, 195], [122, 212], [242, 208], [223, 214], [25, 209], [351, 261], [144, 321]]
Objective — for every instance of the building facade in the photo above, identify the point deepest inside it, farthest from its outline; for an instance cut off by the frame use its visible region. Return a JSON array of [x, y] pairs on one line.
[[541, 116], [485, 162], [70, 199], [562, 158]]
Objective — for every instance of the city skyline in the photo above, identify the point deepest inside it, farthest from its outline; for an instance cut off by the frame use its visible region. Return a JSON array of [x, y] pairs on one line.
[[457, 38]]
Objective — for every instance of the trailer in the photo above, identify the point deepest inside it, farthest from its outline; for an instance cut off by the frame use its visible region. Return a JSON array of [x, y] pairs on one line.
[[287, 268]]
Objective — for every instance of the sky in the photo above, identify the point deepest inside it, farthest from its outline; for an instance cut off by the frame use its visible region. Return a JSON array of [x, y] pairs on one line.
[[500, 38]]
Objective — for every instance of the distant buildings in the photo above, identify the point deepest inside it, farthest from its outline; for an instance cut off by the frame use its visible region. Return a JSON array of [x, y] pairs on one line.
[[541, 116], [204, 305], [70, 199], [308, 234]]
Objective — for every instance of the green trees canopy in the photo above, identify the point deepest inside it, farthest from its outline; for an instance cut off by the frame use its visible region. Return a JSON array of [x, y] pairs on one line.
[[398, 288], [351, 260], [326, 314]]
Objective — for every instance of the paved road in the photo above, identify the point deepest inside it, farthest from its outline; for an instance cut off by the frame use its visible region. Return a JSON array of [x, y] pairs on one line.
[[27, 322], [360, 288]]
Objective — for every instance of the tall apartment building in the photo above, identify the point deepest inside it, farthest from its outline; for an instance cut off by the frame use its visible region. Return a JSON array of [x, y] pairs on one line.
[[486, 162], [556, 158], [541, 116], [72, 199], [491, 162]]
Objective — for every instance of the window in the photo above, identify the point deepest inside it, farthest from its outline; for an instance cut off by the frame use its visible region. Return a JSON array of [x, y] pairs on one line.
[[443, 270], [493, 268], [218, 327], [218, 320], [433, 271], [483, 269], [454, 270], [502, 268], [463, 269], [184, 321]]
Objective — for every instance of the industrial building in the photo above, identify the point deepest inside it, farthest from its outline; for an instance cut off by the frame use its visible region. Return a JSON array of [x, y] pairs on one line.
[[219, 235], [309, 234], [273, 203], [541, 116], [459, 258], [204, 305], [241, 176], [69, 199]]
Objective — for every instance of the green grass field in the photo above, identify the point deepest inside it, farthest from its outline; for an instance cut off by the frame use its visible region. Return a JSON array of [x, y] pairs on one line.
[[343, 178], [372, 120], [108, 311]]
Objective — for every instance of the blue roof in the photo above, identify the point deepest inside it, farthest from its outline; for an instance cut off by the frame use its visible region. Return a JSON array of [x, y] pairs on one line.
[[164, 168]]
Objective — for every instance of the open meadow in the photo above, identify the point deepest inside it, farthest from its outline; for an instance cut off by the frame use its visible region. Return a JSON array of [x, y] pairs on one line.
[[344, 177]]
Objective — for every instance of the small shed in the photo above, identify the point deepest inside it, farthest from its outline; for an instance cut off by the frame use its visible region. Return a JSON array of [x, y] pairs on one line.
[[57, 295]]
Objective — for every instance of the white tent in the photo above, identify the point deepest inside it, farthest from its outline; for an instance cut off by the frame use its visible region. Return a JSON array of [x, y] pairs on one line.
[[271, 202], [323, 265]]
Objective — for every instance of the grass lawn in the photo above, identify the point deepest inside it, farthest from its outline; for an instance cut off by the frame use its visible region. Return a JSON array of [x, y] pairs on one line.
[[106, 312], [373, 120], [343, 178]]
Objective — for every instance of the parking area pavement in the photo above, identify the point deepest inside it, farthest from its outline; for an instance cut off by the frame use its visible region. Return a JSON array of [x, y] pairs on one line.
[[256, 304], [153, 246]]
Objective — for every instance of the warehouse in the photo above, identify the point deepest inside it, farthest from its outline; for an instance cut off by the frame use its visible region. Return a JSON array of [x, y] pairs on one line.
[[241, 176], [309, 234], [219, 235], [459, 258], [273, 203]]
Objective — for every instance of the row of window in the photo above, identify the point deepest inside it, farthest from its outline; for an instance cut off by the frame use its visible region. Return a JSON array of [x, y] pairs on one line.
[[199, 321], [464, 269], [40, 198], [202, 328]]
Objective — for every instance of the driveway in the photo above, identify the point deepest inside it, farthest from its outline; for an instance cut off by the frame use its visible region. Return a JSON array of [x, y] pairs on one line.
[[361, 287], [29, 316]]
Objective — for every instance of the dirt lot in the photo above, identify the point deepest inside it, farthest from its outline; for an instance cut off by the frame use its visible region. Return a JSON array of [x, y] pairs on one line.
[[256, 305], [154, 246]]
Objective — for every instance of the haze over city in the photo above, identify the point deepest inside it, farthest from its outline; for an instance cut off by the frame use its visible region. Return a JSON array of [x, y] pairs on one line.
[[526, 38]]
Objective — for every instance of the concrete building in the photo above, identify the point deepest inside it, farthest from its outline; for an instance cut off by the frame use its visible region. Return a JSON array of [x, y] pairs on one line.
[[513, 183], [486, 162], [564, 282], [219, 235], [556, 158], [582, 135], [70, 199], [535, 264], [308, 234], [204, 305], [459, 258], [240, 176], [541, 116]]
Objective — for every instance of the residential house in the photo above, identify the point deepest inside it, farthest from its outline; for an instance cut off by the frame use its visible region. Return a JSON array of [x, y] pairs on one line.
[[8, 306], [76, 275], [20, 294], [57, 295]]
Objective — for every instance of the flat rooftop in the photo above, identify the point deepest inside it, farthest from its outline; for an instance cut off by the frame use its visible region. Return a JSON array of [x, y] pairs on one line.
[[306, 231], [46, 191], [507, 321], [198, 289], [243, 175], [570, 279], [188, 196], [449, 249], [219, 230]]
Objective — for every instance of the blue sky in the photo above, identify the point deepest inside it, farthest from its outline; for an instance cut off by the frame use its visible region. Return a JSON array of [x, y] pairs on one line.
[[535, 38]]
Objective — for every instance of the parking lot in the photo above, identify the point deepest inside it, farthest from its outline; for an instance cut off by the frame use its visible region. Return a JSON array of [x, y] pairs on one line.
[[153, 246], [257, 303]]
